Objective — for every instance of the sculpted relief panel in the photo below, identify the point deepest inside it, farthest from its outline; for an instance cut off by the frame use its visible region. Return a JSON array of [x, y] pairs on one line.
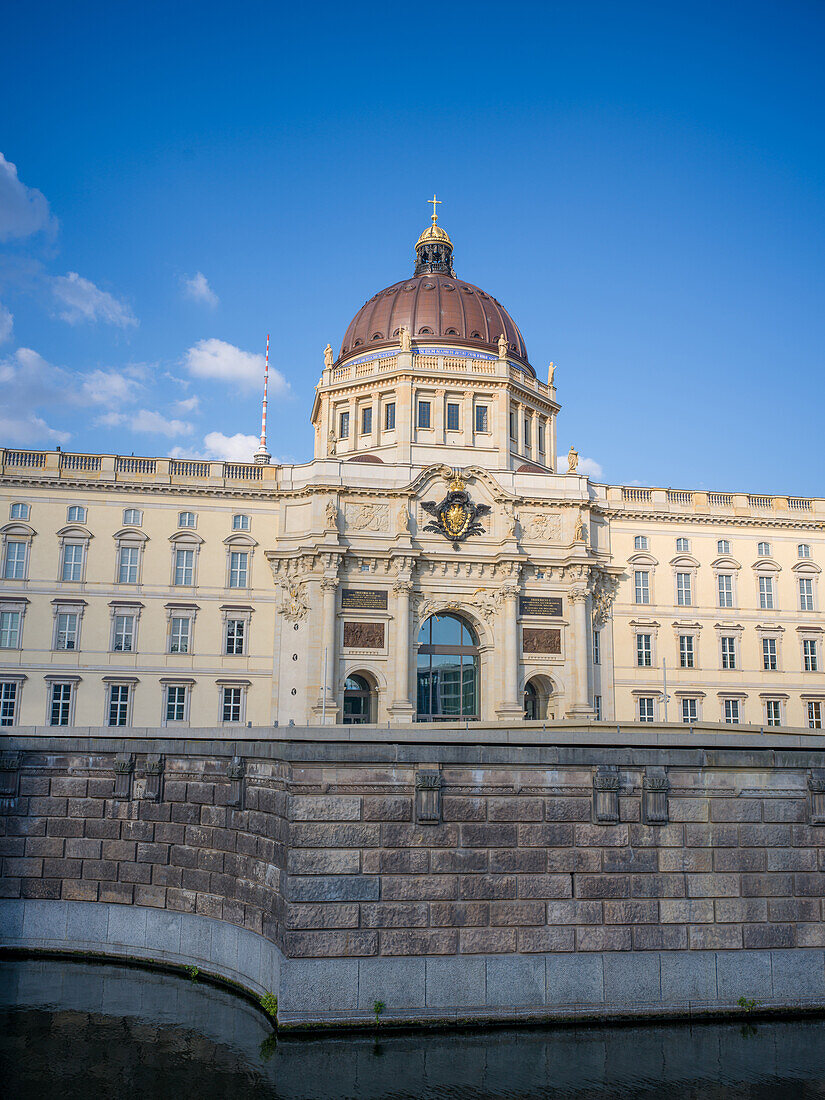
[[363, 635], [542, 640], [367, 517], [541, 526]]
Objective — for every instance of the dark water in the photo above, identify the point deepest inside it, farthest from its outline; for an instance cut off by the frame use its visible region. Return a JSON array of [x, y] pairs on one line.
[[80, 1030]]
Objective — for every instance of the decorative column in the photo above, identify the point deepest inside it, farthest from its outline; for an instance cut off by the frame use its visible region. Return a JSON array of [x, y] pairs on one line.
[[328, 704], [580, 706], [401, 710], [511, 707]]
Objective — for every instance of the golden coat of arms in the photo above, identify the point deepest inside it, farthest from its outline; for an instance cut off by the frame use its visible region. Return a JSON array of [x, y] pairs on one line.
[[456, 516]]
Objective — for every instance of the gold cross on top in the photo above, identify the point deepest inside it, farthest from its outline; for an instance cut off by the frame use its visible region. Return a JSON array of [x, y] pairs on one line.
[[434, 200]]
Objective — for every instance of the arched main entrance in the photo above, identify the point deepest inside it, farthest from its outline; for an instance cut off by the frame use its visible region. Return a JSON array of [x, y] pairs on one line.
[[447, 669], [538, 699], [359, 700]]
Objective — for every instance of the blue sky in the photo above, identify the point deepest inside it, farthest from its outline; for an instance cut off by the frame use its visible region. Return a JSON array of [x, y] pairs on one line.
[[641, 185]]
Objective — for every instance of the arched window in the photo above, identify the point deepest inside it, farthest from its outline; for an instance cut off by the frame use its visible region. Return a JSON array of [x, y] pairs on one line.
[[358, 699], [538, 699], [447, 670]]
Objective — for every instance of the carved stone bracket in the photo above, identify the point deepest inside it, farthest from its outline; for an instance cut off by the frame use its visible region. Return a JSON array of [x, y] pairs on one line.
[[428, 785], [9, 776], [154, 777], [655, 786], [606, 785], [124, 769], [236, 771], [816, 787]]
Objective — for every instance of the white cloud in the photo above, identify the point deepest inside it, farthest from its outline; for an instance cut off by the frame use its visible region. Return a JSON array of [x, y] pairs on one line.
[[102, 387], [218, 360], [23, 210], [588, 466], [198, 289], [6, 323], [231, 448], [80, 300], [145, 420], [29, 431], [188, 404]]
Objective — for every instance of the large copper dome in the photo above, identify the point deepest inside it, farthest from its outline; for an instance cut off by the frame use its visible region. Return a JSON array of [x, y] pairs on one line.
[[433, 305]]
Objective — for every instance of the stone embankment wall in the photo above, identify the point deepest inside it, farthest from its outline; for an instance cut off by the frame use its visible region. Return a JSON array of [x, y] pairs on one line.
[[449, 880]]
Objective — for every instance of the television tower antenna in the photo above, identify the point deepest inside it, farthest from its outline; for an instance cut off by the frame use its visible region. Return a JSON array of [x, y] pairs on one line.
[[262, 455]]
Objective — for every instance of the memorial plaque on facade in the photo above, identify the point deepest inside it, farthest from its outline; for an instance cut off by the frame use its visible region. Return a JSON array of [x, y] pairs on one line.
[[540, 605], [363, 599], [363, 635], [541, 640]]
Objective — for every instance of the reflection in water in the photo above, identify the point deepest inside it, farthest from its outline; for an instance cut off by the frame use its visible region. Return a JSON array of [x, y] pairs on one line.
[[81, 1030]]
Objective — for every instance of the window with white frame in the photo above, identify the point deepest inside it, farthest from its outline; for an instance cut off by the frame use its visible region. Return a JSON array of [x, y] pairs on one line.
[[180, 633], [186, 519], [184, 567], [76, 513], [14, 566], [766, 593], [67, 629], [424, 418], [343, 425], [389, 416], [19, 510], [597, 647], [724, 586], [132, 517], [806, 593], [366, 420], [231, 704], [728, 651], [481, 418], [117, 710], [814, 714], [723, 546], [803, 550], [597, 707], [763, 549], [60, 704], [690, 710], [769, 655], [687, 651], [9, 698], [128, 564], [730, 711], [10, 623], [642, 586], [645, 708], [452, 416], [810, 657], [683, 546], [235, 636], [644, 650], [72, 564], [773, 712], [240, 523], [176, 699], [238, 568], [640, 542], [684, 596], [123, 632]]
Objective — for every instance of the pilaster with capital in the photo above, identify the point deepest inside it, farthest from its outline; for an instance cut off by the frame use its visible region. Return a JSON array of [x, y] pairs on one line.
[[327, 703], [580, 706], [401, 709], [511, 707]]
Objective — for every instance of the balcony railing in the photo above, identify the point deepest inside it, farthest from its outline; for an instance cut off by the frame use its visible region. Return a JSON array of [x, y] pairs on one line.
[[133, 469]]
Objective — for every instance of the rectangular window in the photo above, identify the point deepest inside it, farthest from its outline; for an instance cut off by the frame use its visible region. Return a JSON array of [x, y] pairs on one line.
[[423, 414], [527, 431], [8, 702], [240, 523], [72, 562], [184, 566], [124, 633], [597, 707], [389, 416], [60, 704], [803, 550], [513, 427], [366, 421], [644, 651], [769, 654], [725, 587], [118, 705], [481, 418], [728, 652], [766, 593], [76, 513], [646, 709], [723, 546], [773, 712], [231, 704], [175, 703], [128, 561], [15, 567], [683, 547], [642, 583], [452, 417], [132, 517], [235, 636], [814, 715], [9, 629], [683, 594], [541, 439], [806, 594], [687, 651], [731, 711], [19, 511], [809, 655], [180, 630], [640, 542], [66, 637], [763, 549], [343, 426], [238, 569], [690, 710], [597, 647]]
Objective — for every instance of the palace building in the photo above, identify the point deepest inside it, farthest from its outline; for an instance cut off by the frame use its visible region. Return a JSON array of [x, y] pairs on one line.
[[430, 564]]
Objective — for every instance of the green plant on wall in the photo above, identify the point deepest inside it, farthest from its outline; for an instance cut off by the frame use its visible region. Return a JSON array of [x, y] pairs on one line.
[[193, 972], [747, 1004], [269, 1003], [378, 1008]]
